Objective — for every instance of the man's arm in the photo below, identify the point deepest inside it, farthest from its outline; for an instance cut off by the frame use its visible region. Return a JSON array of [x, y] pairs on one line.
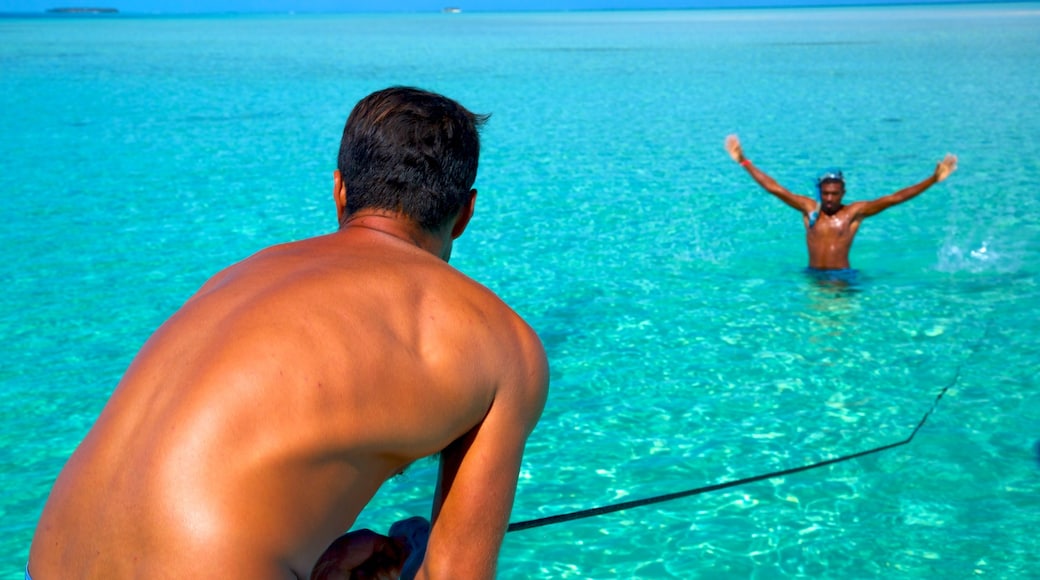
[[801, 203], [478, 475], [943, 170]]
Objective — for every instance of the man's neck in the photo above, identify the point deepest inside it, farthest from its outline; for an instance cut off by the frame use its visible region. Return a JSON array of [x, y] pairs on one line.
[[838, 209], [396, 226]]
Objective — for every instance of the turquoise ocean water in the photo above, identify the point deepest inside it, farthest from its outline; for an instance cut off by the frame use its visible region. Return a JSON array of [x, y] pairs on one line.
[[688, 346]]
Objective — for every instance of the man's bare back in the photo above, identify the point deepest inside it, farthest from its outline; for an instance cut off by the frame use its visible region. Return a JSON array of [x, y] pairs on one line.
[[258, 421], [830, 226]]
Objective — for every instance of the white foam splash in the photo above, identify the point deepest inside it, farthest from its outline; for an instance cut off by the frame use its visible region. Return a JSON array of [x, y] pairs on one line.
[[982, 258]]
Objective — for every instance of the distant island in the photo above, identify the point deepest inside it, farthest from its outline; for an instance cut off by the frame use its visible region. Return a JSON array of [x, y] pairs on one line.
[[452, 10], [84, 10]]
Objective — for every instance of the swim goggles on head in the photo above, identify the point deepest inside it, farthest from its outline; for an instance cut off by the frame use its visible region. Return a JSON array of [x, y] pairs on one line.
[[830, 175]]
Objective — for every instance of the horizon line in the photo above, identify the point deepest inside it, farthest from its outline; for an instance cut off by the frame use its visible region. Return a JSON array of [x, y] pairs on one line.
[[83, 11]]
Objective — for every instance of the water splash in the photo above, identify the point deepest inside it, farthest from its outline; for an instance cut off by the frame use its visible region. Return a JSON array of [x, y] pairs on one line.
[[976, 241], [977, 258]]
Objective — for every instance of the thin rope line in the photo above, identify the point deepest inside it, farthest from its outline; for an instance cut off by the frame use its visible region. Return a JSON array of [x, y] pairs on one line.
[[606, 509]]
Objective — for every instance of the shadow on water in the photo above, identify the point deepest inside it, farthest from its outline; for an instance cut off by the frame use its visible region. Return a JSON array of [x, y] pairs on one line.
[[562, 322], [841, 283], [833, 300], [834, 291]]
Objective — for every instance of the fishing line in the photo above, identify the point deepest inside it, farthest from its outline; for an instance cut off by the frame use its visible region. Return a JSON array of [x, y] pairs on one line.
[[606, 509]]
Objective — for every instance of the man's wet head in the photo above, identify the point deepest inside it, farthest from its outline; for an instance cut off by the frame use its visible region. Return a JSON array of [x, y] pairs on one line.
[[830, 187]]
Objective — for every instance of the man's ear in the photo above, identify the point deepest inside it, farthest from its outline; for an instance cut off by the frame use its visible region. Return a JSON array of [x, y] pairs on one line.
[[339, 195], [465, 214]]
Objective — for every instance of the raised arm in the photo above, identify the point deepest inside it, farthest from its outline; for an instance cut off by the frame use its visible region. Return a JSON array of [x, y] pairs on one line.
[[943, 170], [801, 203], [478, 475]]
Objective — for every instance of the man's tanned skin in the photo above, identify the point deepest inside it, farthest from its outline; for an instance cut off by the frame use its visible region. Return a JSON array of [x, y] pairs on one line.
[[257, 422], [830, 238]]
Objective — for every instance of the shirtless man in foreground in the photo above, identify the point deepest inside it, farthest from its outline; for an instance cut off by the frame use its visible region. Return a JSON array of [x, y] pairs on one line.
[[255, 424], [830, 226]]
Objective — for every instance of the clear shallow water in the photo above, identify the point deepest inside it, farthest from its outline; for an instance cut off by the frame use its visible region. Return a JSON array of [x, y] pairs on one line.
[[688, 346]]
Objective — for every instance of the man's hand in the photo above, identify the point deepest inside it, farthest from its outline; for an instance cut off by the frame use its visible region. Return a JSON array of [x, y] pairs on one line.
[[947, 166], [733, 148]]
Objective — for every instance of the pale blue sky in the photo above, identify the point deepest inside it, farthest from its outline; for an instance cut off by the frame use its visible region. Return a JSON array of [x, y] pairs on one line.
[[189, 6]]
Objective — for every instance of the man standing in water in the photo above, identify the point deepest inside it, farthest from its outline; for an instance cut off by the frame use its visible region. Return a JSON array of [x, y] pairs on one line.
[[830, 226], [257, 422]]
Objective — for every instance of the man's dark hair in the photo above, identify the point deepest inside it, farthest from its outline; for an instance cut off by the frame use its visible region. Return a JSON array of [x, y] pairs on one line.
[[410, 151]]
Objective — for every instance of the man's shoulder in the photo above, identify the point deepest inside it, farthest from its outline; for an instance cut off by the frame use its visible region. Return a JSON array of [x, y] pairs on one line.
[[504, 321], [853, 206], [853, 210], [496, 306]]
